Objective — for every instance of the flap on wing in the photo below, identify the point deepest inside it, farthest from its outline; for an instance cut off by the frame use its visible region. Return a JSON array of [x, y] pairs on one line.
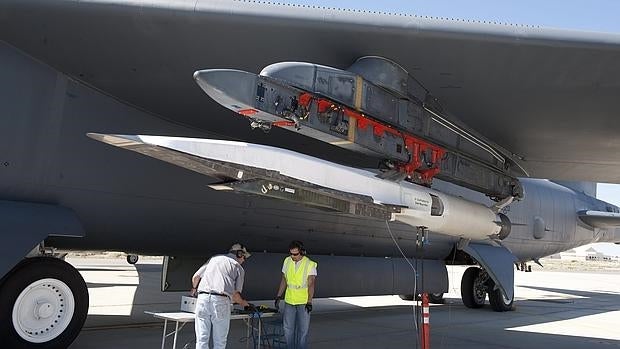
[[600, 219], [498, 262]]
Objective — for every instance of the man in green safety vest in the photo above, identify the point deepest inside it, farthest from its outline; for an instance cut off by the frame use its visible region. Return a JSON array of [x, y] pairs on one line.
[[298, 277]]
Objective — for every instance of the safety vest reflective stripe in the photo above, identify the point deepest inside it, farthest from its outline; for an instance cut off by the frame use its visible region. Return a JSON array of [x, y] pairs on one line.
[[295, 286]]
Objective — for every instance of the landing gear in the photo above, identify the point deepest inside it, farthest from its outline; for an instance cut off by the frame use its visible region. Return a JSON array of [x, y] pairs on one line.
[[132, 258], [44, 304], [474, 287], [498, 301]]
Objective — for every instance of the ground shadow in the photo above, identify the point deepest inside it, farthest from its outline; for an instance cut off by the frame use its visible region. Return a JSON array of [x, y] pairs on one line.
[[341, 324]]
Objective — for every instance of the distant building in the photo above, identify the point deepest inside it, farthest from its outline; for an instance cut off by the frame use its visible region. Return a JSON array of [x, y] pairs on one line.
[[585, 253]]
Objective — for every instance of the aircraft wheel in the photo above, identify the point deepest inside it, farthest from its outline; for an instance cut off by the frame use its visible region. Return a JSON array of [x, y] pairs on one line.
[[498, 301], [132, 258], [473, 287], [436, 298], [44, 304]]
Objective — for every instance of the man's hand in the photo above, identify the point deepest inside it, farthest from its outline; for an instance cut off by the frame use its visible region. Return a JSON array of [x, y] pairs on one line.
[[193, 292], [308, 307], [251, 307], [276, 303]]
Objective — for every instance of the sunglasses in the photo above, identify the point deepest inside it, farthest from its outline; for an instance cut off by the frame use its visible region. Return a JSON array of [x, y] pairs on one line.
[[295, 254]]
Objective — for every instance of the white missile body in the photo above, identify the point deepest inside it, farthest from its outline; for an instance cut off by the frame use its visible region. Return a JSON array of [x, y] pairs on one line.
[[419, 206]]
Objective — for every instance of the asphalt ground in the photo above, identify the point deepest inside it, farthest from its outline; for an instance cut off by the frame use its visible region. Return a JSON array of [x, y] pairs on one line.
[[553, 309]]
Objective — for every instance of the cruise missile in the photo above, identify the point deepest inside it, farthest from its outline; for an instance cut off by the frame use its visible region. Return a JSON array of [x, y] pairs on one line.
[[290, 176]]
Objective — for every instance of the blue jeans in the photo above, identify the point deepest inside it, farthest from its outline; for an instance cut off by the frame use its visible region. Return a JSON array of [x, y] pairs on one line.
[[212, 312], [296, 322]]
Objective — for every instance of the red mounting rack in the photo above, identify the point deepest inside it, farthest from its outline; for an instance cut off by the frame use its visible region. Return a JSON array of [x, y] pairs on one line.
[[414, 145]]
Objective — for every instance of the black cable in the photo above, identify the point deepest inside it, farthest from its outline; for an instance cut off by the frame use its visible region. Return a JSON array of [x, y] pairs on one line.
[[450, 304], [259, 327], [415, 285], [419, 304]]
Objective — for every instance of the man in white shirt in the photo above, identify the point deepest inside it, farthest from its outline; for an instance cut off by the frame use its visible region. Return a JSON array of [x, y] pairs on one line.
[[217, 283]]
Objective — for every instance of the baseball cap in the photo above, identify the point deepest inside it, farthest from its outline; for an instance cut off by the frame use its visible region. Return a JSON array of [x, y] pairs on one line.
[[240, 247]]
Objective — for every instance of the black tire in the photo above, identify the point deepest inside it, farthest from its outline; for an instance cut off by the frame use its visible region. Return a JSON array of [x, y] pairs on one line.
[[28, 272], [406, 297], [436, 298], [472, 297], [132, 258], [498, 302]]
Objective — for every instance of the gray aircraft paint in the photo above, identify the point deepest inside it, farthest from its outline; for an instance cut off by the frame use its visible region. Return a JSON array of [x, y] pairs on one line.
[[513, 84], [124, 200], [69, 68]]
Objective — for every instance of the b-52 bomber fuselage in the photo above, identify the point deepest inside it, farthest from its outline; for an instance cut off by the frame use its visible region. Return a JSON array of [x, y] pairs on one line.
[[60, 189]]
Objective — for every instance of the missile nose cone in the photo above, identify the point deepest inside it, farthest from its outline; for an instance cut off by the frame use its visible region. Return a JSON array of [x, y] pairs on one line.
[[199, 75], [205, 78], [231, 88]]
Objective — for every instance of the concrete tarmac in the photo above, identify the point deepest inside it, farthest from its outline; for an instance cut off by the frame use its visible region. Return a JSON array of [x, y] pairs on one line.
[[553, 310]]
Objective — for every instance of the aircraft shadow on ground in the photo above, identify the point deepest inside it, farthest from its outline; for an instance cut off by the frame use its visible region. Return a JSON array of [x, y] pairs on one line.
[[146, 297], [390, 325], [92, 285], [453, 325]]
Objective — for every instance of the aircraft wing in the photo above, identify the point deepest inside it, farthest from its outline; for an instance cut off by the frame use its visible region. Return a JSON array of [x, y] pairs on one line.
[[549, 96]]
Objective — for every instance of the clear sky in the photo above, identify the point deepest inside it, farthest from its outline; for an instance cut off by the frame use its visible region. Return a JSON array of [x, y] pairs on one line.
[[593, 15], [611, 194]]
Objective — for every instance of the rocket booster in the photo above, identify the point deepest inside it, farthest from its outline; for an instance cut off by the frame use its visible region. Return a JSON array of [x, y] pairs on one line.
[[287, 175]]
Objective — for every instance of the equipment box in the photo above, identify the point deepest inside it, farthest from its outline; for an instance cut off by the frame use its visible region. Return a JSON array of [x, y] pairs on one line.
[[188, 304]]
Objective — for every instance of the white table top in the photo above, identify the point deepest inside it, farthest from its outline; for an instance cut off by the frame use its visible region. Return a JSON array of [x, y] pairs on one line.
[[183, 316]]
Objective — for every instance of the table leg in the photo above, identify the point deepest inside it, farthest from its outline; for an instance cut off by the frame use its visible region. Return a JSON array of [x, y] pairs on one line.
[[163, 337], [247, 330], [259, 331], [176, 331]]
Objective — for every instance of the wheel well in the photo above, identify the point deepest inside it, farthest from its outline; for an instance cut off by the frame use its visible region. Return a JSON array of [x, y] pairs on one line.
[[459, 257], [24, 262]]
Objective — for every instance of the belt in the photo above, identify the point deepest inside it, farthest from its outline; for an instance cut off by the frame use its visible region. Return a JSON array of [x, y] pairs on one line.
[[214, 294]]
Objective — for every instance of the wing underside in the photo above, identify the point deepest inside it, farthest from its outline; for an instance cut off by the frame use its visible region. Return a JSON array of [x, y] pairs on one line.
[[549, 96]]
